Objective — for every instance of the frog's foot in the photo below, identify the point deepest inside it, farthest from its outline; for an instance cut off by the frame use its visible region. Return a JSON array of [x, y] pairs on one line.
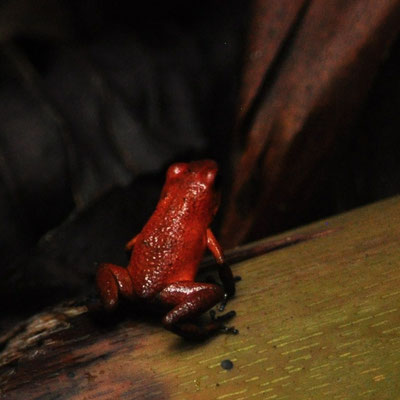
[[224, 302], [221, 319]]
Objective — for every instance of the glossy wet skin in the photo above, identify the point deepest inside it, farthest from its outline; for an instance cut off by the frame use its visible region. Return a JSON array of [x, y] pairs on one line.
[[167, 252], [172, 243]]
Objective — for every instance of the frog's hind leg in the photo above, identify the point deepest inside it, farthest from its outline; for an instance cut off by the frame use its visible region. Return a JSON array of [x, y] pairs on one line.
[[113, 281], [189, 300]]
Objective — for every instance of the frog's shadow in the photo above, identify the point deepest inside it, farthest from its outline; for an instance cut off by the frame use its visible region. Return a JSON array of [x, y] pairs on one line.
[[125, 312]]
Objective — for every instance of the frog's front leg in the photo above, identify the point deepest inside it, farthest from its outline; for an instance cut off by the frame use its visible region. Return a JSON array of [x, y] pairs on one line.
[[131, 243], [224, 270], [113, 281], [189, 300]]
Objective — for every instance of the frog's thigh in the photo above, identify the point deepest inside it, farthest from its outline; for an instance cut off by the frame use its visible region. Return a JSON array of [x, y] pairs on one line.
[[112, 281], [188, 299]]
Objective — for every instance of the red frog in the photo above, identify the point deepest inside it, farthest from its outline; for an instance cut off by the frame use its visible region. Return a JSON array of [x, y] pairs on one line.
[[166, 254]]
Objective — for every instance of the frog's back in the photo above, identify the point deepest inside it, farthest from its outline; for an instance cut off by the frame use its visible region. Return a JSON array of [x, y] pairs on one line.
[[169, 248], [171, 244]]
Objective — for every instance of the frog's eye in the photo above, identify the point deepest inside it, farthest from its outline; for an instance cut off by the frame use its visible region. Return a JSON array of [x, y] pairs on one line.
[[176, 169]]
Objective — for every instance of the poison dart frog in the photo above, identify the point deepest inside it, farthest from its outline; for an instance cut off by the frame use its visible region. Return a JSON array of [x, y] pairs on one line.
[[167, 252]]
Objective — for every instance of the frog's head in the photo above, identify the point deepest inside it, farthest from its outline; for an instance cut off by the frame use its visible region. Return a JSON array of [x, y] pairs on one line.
[[195, 182]]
